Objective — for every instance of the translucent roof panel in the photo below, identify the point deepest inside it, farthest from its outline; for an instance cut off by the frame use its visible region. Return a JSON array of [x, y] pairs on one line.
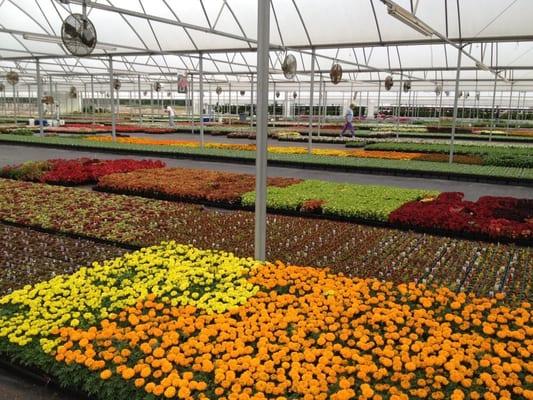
[[159, 39]]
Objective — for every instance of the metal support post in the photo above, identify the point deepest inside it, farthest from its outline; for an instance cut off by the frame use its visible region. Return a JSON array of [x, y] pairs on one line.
[[510, 108], [320, 104], [455, 101], [262, 128], [112, 95], [274, 107], [311, 96], [252, 103], [201, 78], [399, 106], [492, 122], [39, 96], [140, 99]]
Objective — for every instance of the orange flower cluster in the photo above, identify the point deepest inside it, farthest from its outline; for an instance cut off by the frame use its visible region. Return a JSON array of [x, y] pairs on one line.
[[317, 335], [143, 141]]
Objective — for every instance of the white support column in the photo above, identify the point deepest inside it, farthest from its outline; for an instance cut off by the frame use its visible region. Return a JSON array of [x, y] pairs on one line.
[[15, 104], [492, 122], [112, 95], [399, 106], [252, 103], [30, 104], [510, 111], [201, 78], [455, 101], [320, 104], [92, 100], [311, 96], [229, 103], [140, 99], [262, 128], [440, 107], [152, 101], [379, 96], [192, 103], [274, 106], [39, 96]]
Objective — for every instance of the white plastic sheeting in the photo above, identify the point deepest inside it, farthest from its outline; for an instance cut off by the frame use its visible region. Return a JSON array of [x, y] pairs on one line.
[[359, 34]]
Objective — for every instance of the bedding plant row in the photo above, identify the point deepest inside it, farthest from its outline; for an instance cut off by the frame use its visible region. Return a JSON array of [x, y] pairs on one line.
[[73, 172], [347, 200], [508, 156], [174, 322], [355, 250], [28, 256], [360, 153], [412, 208], [490, 217], [377, 165]]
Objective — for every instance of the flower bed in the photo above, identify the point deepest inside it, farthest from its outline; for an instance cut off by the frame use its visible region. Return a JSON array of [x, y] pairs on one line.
[[347, 200], [97, 128], [187, 184], [488, 155], [523, 176], [352, 249], [74, 172], [28, 256], [389, 155], [172, 321], [499, 217]]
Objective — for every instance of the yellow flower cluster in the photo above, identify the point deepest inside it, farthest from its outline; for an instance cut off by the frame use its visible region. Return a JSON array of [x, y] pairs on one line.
[[178, 275]]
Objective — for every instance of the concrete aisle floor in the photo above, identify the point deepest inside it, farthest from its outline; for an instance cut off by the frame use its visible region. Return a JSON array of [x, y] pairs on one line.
[[13, 154]]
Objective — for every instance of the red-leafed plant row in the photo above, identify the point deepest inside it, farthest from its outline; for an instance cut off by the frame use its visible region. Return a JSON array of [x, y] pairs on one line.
[[74, 172], [496, 217]]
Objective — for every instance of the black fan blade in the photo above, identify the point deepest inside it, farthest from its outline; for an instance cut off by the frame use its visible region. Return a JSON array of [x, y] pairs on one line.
[[88, 38], [71, 30]]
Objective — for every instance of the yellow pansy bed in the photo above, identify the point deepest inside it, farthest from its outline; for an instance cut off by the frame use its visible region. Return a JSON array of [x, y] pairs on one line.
[[172, 321]]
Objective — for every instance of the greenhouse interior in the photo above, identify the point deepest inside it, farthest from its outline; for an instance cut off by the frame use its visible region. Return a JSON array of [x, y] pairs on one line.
[[266, 199]]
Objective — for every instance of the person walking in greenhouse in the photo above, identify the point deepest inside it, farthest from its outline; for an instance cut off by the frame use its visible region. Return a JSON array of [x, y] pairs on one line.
[[171, 115], [348, 119]]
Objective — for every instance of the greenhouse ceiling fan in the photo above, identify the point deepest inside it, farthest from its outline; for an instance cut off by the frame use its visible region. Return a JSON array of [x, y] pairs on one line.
[[78, 34], [289, 66]]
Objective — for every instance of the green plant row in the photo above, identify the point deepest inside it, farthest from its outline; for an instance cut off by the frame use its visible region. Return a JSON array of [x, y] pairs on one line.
[[521, 157], [367, 202], [523, 175]]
